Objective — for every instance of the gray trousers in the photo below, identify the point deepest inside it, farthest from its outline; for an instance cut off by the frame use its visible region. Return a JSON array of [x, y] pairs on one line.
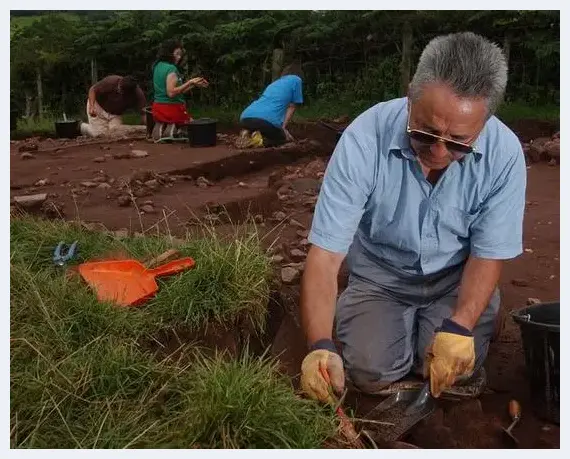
[[385, 325]]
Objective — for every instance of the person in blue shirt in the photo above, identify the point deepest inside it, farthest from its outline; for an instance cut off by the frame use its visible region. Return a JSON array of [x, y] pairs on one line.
[[265, 120], [425, 196]]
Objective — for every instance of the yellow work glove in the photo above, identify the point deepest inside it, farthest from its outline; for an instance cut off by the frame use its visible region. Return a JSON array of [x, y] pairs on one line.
[[450, 355], [322, 374]]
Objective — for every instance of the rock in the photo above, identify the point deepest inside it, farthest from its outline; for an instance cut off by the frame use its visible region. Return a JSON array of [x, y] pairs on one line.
[[30, 200], [536, 150], [121, 155], [243, 185], [519, 283], [277, 258], [99, 159], [528, 251], [104, 147], [89, 184], [148, 203], [26, 155], [300, 266], [279, 215], [148, 209], [142, 175], [302, 185], [532, 301], [274, 178], [203, 182], [284, 189], [152, 184], [315, 143], [52, 209], [289, 275], [139, 154], [552, 162], [124, 201], [303, 233], [42, 182], [310, 202], [258, 218], [28, 147], [121, 233], [104, 186], [552, 149], [304, 243], [100, 179], [296, 223], [298, 255]]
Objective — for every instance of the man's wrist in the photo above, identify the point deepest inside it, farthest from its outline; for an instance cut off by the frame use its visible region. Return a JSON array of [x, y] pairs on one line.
[[325, 343], [452, 326]]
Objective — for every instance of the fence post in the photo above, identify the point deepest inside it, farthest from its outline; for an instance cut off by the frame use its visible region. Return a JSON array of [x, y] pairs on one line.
[[406, 62]]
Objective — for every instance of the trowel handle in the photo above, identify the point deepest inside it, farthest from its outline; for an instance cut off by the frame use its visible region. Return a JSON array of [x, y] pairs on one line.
[[515, 410], [174, 267]]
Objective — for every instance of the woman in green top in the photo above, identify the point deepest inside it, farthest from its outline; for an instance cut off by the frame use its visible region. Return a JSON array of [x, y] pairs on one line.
[[169, 106]]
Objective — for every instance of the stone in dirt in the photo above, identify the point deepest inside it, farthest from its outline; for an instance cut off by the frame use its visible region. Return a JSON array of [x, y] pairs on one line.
[[306, 184], [304, 243], [532, 301], [243, 185], [124, 201], [520, 282], [258, 218], [99, 159], [42, 182], [289, 275], [277, 258], [303, 233], [52, 209], [104, 186], [298, 255], [27, 156], [300, 266], [142, 192], [148, 203], [152, 184], [203, 182], [100, 179], [30, 200], [279, 215], [294, 222], [148, 209], [89, 184], [139, 154]]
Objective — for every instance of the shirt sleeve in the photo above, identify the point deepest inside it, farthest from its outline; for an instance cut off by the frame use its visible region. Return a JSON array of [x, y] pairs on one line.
[[496, 233], [298, 91], [347, 185]]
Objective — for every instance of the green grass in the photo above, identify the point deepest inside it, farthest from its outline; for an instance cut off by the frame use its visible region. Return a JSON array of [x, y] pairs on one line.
[[80, 378], [514, 111]]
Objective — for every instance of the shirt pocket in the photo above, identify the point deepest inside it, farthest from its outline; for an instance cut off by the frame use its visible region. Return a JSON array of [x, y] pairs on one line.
[[456, 221]]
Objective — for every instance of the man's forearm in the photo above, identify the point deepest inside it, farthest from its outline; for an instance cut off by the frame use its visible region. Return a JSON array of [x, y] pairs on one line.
[[288, 115], [318, 294], [479, 279]]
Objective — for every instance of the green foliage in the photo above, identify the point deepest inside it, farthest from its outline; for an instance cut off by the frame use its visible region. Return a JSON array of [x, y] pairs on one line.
[[352, 56]]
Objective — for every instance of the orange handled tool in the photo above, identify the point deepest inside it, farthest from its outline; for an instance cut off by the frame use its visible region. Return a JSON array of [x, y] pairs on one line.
[[346, 427]]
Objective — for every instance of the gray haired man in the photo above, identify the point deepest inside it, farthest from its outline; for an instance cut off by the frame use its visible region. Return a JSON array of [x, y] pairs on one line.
[[424, 195]]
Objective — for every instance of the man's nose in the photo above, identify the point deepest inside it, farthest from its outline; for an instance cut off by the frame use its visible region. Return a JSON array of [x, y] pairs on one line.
[[439, 150]]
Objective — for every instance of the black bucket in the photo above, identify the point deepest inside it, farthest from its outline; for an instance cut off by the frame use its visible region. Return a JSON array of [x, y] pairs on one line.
[[149, 121], [13, 120], [202, 132], [540, 331], [68, 129]]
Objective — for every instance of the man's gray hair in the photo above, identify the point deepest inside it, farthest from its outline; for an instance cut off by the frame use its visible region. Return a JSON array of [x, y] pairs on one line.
[[469, 64]]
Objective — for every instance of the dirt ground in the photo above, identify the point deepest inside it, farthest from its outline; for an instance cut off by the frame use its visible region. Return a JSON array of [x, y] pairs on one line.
[[167, 188]]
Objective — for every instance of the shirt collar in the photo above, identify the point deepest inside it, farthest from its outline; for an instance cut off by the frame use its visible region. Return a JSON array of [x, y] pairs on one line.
[[401, 142]]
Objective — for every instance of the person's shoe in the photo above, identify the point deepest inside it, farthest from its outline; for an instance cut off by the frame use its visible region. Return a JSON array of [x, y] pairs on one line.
[[256, 140], [243, 139], [157, 131]]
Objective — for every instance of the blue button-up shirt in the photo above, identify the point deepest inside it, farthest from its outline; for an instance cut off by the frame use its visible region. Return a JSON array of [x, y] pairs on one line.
[[376, 201]]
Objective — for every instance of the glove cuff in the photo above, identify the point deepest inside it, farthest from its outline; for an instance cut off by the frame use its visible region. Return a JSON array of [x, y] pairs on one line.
[[449, 326], [325, 343]]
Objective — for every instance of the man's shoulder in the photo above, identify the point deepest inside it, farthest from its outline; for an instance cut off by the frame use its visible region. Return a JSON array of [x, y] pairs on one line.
[[500, 140], [379, 121]]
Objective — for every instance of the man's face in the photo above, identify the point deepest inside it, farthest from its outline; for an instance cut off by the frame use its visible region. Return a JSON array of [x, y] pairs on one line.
[[440, 112]]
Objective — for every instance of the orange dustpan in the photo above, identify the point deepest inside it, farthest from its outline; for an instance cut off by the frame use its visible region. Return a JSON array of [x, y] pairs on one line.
[[128, 282]]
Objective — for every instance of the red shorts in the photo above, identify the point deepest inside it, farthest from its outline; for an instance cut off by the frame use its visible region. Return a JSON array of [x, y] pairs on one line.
[[170, 113]]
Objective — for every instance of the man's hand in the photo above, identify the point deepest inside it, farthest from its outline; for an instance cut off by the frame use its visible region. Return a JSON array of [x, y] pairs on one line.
[[451, 354], [313, 381], [288, 136], [199, 82]]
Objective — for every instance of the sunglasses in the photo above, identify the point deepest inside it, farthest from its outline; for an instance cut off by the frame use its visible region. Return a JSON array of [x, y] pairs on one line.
[[427, 138]]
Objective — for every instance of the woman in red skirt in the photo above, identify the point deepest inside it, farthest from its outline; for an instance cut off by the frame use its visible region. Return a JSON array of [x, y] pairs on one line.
[[169, 106]]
